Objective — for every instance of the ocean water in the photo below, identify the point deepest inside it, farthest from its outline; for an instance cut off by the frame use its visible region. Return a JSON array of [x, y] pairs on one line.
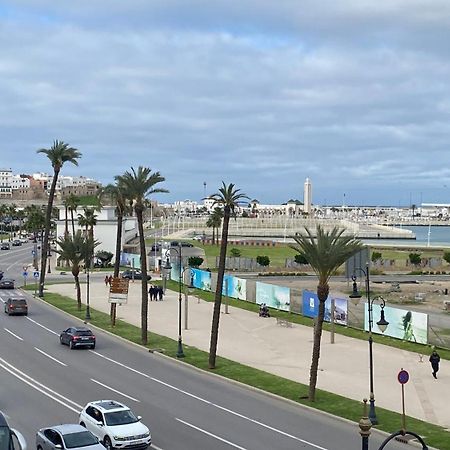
[[436, 236]]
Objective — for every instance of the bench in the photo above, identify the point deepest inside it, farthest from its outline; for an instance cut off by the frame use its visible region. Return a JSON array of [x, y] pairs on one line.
[[284, 322]]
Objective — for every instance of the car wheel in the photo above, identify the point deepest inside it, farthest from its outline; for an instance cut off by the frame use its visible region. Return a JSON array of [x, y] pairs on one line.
[[92, 346], [71, 345], [39, 447], [83, 424], [61, 340], [107, 443]]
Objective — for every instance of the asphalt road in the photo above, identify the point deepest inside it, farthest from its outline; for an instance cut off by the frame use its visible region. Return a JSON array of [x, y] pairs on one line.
[[43, 383]]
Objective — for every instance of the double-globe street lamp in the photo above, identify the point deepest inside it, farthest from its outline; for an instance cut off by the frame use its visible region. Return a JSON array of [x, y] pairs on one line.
[[382, 325], [167, 267]]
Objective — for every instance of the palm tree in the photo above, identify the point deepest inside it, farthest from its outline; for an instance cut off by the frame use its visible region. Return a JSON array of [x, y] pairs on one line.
[[88, 220], [229, 198], [72, 204], [139, 184], [325, 253], [58, 154], [76, 249], [118, 195]]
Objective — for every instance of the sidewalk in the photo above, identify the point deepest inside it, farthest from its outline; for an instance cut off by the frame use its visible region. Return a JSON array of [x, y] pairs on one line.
[[261, 343]]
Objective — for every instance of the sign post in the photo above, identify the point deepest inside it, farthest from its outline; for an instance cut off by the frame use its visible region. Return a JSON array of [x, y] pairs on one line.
[[118, 293], [36, 276], [403, 378]]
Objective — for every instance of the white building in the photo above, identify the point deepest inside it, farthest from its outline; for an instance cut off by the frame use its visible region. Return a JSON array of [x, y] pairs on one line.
[[105, 230], [5, 183], [19, 182]]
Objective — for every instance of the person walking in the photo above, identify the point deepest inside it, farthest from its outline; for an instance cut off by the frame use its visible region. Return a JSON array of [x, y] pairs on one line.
[[106, 280], [434, 360], [159, 292]]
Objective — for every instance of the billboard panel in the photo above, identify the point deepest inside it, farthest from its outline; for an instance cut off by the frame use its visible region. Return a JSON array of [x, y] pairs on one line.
[[273, 296], [311, 307], [403, 324], [201, 279], [234, 287]]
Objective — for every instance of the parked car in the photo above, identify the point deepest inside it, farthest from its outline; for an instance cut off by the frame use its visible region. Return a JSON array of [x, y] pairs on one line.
[[16, 305], [67, 436], [186, 244], [16, 243], [78, 337], [134, 274], [174, 244], [6, 283], [10, 438], [156, 248], [5, 246], [115, 425]]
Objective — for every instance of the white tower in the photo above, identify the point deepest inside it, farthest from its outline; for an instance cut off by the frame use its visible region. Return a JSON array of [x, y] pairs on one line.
[[307, 196]]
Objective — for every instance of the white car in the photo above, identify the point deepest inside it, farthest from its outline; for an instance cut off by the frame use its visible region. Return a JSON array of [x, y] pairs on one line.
[[115, 425]]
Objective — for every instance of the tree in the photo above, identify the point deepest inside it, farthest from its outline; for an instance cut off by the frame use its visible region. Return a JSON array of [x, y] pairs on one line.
[[72, 202], [76, 249], [119, 197], [216, 221], [195, 261], [139, 184], [229, 199], [300, 259], [263, 260], [105, 257], [88, 220], [235, 252], [376, 256], [415, 259], [446, 257], [58, 154], [325, 253]]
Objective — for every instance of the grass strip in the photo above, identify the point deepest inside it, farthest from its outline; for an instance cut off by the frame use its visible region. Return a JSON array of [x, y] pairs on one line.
[[337, 405]]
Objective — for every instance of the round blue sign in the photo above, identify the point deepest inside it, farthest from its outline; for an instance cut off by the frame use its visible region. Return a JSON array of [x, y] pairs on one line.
[[403, 377]]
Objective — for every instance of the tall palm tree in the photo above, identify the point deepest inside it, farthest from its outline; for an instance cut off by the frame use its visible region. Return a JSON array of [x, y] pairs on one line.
[[88, 220], [139, 184], [58, 154], [325, 253], [229, 199], [216, 218], [119, 197], [72, 204], [76, 249]]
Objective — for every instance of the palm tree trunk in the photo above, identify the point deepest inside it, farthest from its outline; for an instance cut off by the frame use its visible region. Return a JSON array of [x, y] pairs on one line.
[[66, 221], [117, 263], [73, 222], [322, 294], [144, 301], [48, 218], [218, 293], [78, 287]]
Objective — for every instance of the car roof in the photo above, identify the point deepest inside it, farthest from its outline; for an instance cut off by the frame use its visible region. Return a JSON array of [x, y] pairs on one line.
[[67, 428], [81, 329], [17, 299], [109, 405]]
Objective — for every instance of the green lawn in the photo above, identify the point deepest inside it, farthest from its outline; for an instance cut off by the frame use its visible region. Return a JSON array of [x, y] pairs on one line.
[[334, 404]]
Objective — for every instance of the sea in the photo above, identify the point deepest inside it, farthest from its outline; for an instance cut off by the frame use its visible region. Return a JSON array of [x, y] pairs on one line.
[[427, 236]]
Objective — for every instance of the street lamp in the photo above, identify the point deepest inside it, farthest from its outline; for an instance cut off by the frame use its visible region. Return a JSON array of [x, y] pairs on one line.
[[382, 325], [180, 353], [49, 254]]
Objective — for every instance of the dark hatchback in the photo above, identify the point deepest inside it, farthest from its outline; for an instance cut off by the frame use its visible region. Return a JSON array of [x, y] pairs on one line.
[[6, 283], [78, 337], [134, 274], [16, 306]]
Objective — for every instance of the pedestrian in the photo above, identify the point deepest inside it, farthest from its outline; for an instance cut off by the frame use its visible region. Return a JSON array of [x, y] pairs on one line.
[[150, 291], [110, 279], [106, 280], [434, 360], [160, 292]]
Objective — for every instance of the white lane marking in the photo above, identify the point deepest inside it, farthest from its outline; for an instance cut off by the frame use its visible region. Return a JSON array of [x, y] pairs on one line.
[[115, 390], [210, 434], [12, 334], [49, 356], [42, 326], [155, 447], [256, 422], [40, 387]]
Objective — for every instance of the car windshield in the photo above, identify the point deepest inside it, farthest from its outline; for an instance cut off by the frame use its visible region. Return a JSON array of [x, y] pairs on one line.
[[120, 417], [18, 302], [83, 333], [5, 438], [79, 439]]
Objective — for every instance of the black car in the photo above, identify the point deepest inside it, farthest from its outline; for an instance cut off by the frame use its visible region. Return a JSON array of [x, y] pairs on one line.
[[6, 283], [186, 244], [78, 337], [134, 274], [17, 305], [16, 243], [5, 246]]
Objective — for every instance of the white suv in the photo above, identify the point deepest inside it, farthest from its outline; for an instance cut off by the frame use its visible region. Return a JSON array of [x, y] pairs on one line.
[[115, 425]]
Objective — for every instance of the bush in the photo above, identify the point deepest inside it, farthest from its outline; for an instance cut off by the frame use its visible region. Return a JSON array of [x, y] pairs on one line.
[[195, 261], [235, 252], [447, 256], [415, 259], [299, 258], [263, 260], [376, 256]]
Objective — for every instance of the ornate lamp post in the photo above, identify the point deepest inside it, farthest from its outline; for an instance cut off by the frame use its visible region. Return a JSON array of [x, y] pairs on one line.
[[49, 254], [382, 325], [180, 353]]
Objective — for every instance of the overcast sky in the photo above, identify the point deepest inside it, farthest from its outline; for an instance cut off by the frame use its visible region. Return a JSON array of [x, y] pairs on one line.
[[354, 94]]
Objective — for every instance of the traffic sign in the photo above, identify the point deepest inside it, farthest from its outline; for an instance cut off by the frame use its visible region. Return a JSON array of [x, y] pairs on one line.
[[36, 274], [403, 377], [33, 252], [118, 291], [25, 273]]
